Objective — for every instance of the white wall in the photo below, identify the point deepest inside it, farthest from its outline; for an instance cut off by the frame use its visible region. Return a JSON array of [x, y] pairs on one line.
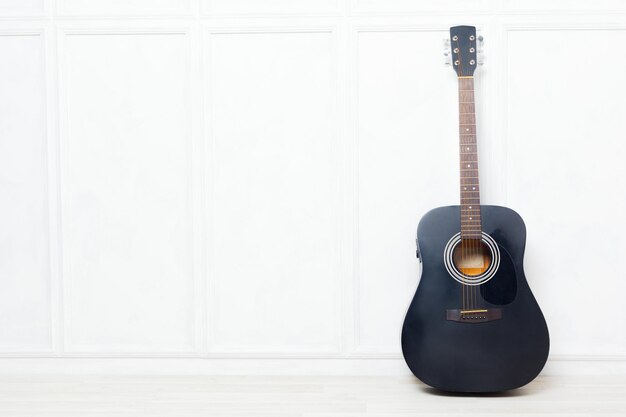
[[243, 179]]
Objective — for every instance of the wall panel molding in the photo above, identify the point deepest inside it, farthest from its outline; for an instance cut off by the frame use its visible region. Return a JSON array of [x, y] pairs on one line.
[[271, 8], [587, 365], [600, 148], [26, 125], [134, 33], [123, 8], [214, 347]]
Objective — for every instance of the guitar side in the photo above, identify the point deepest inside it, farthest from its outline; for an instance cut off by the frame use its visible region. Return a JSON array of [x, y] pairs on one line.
[[495, 355]]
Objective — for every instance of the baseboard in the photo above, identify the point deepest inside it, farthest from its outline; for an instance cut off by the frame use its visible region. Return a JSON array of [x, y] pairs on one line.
[[559, 365]]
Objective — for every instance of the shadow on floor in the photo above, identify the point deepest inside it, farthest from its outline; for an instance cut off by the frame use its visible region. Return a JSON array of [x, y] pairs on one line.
[[512, 393]]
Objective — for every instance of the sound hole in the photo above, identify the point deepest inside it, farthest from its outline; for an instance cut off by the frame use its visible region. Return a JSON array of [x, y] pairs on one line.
[[471, 257]]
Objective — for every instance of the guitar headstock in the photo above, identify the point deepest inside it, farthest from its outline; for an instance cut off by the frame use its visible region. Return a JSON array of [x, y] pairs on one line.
[[464, 50]]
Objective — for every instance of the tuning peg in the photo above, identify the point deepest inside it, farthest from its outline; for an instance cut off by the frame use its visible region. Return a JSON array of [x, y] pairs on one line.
[[480, 43], [480, 55]]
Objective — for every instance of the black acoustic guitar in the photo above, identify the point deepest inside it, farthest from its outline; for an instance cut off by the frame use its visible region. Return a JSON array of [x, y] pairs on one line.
[[473, 324]]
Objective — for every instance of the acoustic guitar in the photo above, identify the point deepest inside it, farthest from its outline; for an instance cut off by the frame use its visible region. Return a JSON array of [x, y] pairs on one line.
[[473, 324]]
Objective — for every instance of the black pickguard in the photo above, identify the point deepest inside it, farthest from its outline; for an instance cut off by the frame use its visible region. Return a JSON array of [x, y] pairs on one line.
[[474, 357]]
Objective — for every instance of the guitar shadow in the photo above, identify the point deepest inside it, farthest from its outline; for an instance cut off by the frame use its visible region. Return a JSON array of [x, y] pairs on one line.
[[538, 385], [502, 394]]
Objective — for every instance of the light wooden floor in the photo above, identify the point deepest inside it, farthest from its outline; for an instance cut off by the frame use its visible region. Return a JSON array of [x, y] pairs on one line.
[[298, 396]]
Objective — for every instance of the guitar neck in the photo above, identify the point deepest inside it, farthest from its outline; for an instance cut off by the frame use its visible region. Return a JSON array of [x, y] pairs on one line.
[[471, 226]]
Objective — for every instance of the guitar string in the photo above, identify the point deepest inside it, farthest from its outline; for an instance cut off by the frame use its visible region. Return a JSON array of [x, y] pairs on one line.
[[464, 248], [468, 249], [465, 95], [474, 141], [476, 242], [454, 46], [471, 247]]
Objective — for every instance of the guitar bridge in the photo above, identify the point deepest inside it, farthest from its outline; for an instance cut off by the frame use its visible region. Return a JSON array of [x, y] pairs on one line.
[[474, 316]]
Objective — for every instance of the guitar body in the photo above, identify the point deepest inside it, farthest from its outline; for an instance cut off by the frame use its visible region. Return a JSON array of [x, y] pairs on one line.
[[484, 351]]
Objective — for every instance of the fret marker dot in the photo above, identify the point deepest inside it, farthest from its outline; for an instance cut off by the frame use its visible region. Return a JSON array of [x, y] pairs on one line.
[[468, 165], [473, 188], [468, 149], [467, 129], [470, 206], [465, 188], [470, 218]]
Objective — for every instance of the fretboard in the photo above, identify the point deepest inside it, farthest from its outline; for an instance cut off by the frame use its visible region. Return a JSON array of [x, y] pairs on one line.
[[471, 227]]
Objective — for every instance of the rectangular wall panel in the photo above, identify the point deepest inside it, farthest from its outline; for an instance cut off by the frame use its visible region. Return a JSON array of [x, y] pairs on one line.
[[21, 7], [566, 177], [111, 7], [561, 6], [408, 164], [425, 6], [274, 286], [24, 258], [268, 6], [125, 160]]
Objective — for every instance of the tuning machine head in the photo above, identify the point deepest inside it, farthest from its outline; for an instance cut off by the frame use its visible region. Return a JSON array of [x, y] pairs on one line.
[[480, 53], [447, 60]]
